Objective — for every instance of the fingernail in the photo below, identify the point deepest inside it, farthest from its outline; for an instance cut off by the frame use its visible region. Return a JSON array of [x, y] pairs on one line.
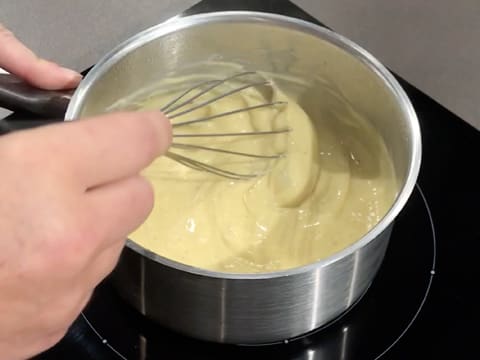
[[73, 77], [166, 131], [163, 129]]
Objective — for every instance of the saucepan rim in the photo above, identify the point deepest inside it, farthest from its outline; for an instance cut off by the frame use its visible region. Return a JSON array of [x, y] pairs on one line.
[[179, 23]]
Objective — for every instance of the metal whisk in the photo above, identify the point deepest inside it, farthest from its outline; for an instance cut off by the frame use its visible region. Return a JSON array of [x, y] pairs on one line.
[[182, 105]]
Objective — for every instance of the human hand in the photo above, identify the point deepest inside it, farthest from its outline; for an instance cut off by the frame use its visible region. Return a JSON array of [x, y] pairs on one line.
[[70, 195], [17, 59]]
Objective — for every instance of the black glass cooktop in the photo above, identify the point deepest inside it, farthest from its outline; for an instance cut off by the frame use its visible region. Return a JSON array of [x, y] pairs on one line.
[[420, 305]]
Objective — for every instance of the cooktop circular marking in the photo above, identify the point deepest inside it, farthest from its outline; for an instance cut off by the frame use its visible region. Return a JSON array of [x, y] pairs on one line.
[[102, 339], [432, 273], [344, 329]]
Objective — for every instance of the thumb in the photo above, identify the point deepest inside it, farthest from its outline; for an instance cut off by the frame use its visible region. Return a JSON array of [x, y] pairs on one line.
[[17, 59]]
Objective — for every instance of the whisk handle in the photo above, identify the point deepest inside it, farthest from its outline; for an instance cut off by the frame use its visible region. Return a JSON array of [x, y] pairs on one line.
[[17, 95]]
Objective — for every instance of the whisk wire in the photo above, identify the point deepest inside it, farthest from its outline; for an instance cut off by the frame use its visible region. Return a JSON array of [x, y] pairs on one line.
[[208, 102], [167, 109], [232, 112], [198, 165], [239, 153], [246, 133], [184, 100]]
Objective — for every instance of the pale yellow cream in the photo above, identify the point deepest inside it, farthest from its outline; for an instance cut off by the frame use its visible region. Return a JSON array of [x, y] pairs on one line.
[[335, 182]]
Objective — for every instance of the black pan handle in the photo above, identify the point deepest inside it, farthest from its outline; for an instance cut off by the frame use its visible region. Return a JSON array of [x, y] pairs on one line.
[[4, 127], [17, 95]]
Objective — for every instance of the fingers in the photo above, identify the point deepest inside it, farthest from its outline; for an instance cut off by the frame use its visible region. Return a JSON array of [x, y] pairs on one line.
[[17, 59], [117, 146], [103, 265], [103, 149], [119, 208]]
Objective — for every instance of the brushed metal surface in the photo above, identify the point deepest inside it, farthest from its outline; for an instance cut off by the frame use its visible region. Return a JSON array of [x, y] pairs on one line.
[[257, 308]]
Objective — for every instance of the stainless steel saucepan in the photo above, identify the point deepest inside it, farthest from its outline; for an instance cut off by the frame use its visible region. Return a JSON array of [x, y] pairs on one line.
[[267, 307]]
